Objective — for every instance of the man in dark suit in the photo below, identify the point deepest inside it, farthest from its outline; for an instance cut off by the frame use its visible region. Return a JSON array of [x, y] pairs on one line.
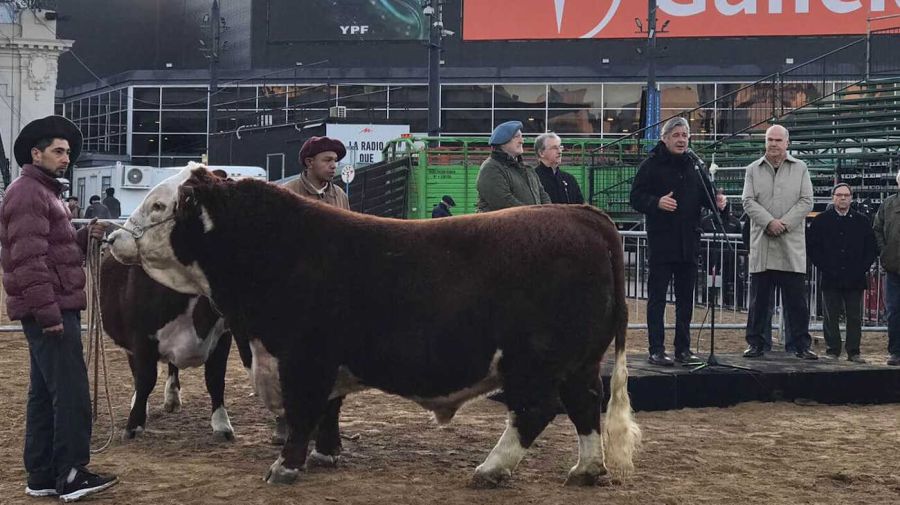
[[841, 244], [669, 190]]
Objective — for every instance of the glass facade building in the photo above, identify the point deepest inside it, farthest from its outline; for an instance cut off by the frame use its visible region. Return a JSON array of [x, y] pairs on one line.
[[166, 125]]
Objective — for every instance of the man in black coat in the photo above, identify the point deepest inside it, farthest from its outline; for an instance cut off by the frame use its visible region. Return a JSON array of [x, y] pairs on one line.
[[668, 190], [841, 244], [112, 203], [442, 209], [560, 185]]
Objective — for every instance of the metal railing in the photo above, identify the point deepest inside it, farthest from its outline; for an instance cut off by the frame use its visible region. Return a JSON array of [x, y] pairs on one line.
[[731, 263]]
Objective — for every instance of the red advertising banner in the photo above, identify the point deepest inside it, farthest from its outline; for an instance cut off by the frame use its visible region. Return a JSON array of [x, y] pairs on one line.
[[614, 19]]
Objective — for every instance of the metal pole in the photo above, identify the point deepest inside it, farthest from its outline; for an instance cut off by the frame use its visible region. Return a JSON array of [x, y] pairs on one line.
[[652, 107], [435, 29], [215, 29], [868, 48]]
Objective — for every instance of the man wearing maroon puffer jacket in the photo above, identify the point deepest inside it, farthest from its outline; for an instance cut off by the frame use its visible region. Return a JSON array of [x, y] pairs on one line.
[[42, 258]]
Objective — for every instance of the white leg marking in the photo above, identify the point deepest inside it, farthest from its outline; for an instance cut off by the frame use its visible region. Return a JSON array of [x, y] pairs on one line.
[[503, 459], [146, 405], [172, 396], [221, 424], [278, 474], [316, 458], [590, 461]]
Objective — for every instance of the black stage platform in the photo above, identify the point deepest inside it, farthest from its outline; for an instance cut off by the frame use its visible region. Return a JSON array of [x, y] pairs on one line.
[[777, 376]]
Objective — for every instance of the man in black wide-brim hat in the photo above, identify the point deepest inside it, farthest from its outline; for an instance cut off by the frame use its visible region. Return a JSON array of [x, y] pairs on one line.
[[42, 257]]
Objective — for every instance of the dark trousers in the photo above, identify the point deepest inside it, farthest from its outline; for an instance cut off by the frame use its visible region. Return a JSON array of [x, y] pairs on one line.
[[58, 417], [838, 302], [892, 303], [793, 297], [785, 328], [685, 275]]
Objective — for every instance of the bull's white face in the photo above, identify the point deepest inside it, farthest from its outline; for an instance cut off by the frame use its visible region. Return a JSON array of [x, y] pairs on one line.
[[153, 250]]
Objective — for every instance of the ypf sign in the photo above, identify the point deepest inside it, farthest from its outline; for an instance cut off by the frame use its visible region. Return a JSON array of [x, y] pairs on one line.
[[573, 19]]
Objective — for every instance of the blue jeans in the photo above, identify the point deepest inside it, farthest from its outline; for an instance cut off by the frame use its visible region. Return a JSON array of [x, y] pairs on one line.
[[58, 415], [892, 304]]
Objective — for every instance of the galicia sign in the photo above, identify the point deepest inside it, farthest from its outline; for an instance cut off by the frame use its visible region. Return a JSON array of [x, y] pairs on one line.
[[584, 19]]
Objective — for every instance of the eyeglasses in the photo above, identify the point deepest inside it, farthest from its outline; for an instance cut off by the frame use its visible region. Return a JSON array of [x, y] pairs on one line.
[[556, 148]]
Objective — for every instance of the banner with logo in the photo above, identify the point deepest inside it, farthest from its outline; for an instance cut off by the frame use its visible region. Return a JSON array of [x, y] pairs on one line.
[[332, 20], [364, 142], [608, 19]]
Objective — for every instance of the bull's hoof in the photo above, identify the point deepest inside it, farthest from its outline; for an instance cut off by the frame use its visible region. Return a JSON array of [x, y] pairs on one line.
[[172, 404], [316, 458], [588, 479], [278, 474], [132, 433], [223, 436], [444, 416], [489, 479]]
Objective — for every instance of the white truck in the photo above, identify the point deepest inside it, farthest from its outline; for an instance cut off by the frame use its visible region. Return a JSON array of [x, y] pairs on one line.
[[133, 182]]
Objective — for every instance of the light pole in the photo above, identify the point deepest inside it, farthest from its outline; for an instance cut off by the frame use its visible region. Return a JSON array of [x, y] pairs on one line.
[[652, 96], [434, 11], [215, 38]]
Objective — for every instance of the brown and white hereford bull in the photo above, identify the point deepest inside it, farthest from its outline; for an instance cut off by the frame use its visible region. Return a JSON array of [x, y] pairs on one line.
[[154, 323], [440, 312]]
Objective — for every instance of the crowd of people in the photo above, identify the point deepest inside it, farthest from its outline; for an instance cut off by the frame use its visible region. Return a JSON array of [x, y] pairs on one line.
[[43, 254], [672, 188]]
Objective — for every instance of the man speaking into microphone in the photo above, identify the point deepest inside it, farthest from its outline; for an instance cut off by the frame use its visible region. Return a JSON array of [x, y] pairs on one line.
[[668, 190]]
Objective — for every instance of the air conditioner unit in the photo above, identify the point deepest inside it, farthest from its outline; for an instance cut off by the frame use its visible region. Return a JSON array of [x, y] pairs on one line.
[[136, 177], [338, 111]]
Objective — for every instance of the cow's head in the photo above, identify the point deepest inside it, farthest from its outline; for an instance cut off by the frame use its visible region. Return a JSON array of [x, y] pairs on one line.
[[149, 237]]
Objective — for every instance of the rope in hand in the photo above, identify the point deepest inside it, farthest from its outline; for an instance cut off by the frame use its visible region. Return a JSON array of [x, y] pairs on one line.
[[96, 350]]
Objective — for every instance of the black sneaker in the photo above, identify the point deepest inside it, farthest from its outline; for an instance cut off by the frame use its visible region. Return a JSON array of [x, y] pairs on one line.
[[40, 486], [86, 483]]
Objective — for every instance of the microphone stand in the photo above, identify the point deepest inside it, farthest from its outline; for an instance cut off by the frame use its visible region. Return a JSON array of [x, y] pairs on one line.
[[718, 227]]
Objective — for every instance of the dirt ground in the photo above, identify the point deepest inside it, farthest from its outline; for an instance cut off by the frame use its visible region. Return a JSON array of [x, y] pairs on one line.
[[772, 453]]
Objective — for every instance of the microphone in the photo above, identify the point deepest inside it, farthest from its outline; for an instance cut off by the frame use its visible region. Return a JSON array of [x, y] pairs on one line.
[[693, 156]]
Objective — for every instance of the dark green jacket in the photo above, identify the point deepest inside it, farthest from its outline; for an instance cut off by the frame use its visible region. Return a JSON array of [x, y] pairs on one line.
[[887, 233], [506, 182]]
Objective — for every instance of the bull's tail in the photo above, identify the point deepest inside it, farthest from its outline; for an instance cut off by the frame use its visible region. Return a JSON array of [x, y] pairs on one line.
[[621, 436]]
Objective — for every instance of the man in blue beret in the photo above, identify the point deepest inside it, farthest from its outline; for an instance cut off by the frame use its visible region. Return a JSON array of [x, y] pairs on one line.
[[504, 180]]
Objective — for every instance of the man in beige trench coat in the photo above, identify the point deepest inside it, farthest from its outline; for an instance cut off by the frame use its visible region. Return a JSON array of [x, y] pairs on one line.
[[777, 197]]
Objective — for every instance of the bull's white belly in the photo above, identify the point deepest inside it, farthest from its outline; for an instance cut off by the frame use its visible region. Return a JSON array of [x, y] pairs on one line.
[[179, 344]]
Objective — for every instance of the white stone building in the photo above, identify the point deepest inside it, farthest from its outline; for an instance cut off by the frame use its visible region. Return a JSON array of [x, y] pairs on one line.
[[29, 51]]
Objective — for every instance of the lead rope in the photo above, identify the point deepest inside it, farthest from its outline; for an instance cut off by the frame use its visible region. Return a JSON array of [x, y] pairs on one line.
[[96, 351]]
